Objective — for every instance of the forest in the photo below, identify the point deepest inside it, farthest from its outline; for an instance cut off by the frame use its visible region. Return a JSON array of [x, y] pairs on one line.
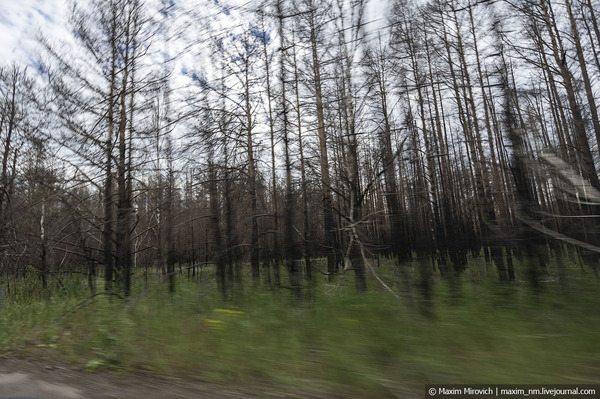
[[379, 151]]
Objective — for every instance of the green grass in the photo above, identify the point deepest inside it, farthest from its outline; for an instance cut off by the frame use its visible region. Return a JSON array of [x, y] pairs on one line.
[[473, 331]]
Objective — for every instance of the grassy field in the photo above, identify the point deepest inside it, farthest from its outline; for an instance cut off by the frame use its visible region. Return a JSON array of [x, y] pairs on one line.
[[474, 330]]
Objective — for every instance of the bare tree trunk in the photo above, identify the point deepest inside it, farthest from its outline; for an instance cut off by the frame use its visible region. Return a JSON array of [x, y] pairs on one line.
[[330, 239], [559, 54], [274, 191], [123, 233], [254, 249], [108, 184], [306, 246], [584, 72], [350, 140], [8, 123], [215, 221], [488, 216], [43, 249], [291, 246]]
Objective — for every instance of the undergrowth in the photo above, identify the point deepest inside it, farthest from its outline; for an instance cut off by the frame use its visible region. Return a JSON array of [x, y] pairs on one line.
[[473, 330]]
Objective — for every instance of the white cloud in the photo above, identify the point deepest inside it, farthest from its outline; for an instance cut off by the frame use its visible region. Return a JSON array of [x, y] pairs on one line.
[[21, 21]]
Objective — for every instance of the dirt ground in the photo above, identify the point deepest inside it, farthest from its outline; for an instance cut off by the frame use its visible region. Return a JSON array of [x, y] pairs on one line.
[[43, 379]]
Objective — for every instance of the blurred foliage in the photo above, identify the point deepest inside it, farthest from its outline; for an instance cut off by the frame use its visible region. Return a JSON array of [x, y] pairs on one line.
[[473, 330]]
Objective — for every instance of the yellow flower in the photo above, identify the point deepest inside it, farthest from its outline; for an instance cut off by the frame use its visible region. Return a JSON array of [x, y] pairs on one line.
[[229, 312], [213, 324]]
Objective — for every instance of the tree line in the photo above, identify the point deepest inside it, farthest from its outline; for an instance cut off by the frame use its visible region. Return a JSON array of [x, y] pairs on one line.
[[304, 140]]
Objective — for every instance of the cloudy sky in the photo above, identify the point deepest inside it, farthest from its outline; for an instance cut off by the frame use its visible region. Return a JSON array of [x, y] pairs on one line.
[[22, 20]]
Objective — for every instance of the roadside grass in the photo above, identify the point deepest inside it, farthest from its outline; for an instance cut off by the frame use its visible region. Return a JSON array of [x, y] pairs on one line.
[[474, 330]]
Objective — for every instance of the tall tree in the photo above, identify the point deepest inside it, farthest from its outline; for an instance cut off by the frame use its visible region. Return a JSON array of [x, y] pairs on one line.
[[97, 94]]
